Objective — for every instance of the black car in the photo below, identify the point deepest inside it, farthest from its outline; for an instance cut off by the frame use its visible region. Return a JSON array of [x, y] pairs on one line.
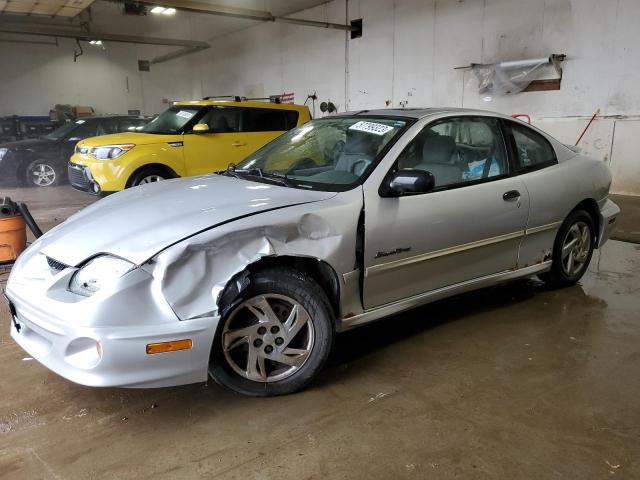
[[43, 162]]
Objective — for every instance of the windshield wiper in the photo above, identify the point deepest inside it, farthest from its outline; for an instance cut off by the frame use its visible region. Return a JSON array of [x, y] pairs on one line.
[[258, 172], [281, 177], [231, 171]]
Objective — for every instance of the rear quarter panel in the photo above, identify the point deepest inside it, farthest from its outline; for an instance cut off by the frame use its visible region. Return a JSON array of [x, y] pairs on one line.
[[554, 192]]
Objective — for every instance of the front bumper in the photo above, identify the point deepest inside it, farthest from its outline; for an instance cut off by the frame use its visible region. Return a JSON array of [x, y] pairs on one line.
[[80, 178], [63, 334]]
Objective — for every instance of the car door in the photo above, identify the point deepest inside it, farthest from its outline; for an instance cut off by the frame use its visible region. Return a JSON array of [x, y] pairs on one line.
[[222, 144], [469, 226]]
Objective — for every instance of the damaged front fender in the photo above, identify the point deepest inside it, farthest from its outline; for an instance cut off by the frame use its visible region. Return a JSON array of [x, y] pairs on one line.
[[193, 273]]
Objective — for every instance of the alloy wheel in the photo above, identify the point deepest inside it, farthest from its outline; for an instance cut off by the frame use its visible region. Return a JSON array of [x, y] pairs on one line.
[[268, 338], [42, 175], [151, 179], [575, 248]]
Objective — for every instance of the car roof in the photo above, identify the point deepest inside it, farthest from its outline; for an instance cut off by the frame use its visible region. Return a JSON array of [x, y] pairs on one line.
[[423, 112], [242, 103], [107, 117]]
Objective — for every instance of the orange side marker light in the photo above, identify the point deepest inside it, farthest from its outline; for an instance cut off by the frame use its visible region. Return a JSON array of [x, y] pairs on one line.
[[172, 346]]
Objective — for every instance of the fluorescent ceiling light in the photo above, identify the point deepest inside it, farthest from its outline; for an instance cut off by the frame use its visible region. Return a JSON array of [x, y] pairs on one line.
[[95, 42], [163, 10]]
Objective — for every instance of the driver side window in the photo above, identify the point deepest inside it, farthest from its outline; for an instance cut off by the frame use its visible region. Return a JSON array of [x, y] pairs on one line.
[[222, 119], [457, 151]]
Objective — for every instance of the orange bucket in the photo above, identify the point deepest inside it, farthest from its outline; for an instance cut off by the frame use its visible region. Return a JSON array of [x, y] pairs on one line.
[[13, 238]]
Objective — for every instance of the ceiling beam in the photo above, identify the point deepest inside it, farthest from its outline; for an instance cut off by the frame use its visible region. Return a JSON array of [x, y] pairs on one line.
[[242, 13], [84, 35]]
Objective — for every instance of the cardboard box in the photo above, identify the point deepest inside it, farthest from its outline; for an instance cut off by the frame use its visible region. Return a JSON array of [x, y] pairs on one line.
[[82, 111]]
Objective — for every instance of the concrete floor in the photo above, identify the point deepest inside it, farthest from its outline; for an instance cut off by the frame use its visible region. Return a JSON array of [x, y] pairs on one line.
[[509, 382], [628, 228]]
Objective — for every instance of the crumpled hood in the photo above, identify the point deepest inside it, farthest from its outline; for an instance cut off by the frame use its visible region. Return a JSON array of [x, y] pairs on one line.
[[137, 223], [137, 138]]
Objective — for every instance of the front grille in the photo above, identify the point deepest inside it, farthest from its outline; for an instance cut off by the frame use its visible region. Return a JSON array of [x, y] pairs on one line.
[[77, 177], [56, 265]]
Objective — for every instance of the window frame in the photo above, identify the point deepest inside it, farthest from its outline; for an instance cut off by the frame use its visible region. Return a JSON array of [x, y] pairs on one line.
[[507, 150], [513, 149]]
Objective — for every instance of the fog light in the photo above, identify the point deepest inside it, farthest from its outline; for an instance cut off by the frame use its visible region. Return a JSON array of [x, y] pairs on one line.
[[171, 346], [95, 187], [83, 353]]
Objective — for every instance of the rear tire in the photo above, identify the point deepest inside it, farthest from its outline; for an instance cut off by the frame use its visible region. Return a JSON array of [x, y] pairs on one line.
[[572, 250], [147, 175], [274, 336]]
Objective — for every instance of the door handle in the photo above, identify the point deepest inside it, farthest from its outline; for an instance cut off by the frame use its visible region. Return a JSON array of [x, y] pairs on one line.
[[511, 195], [239, 144]]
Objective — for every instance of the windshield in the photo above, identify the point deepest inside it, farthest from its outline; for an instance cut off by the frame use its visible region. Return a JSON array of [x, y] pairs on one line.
[[171, 120], [325, 154], [63, 131]]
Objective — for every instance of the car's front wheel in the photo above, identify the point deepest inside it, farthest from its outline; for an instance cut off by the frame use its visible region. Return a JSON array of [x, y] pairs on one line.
[[274, 336], [572, 250], [147, 175], [43, 173]]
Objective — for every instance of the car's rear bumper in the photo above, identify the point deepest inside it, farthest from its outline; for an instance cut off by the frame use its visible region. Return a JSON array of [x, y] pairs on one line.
[[608, 218], [72, 340]]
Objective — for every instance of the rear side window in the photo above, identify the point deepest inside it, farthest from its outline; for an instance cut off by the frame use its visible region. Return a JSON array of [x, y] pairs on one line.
[[268, 120], [533, 151]]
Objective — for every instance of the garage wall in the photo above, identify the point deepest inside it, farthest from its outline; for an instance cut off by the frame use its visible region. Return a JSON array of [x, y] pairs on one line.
[[35, 77], [409, 50]]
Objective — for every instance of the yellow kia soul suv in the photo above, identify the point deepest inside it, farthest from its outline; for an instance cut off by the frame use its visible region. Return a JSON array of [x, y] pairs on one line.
[[189, 138]]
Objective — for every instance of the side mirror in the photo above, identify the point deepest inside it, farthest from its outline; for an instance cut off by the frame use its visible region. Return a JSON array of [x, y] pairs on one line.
[[200, 128], [408, 182]]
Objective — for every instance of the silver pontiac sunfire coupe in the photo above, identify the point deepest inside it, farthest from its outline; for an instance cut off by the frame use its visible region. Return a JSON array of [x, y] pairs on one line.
[[245, 275]]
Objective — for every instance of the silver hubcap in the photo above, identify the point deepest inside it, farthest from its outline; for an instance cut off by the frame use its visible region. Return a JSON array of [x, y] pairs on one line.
[[575, 248], [151, 179], [43, 175], [268, 338]]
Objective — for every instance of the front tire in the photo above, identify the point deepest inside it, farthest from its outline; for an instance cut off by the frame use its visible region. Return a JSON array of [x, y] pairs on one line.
[[147, 175], [274, 337], [572, 250], [42, 173]]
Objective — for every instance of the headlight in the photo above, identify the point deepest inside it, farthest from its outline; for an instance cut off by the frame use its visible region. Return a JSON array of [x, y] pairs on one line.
[[81, 149], [98, 273], [109, 152], [3, 152]]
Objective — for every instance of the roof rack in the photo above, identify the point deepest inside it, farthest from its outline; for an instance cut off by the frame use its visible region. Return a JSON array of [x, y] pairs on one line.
[[236, 98], [271, 98]]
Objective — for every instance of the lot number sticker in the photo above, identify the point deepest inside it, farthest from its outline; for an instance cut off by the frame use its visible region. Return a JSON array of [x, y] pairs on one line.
[[184, 114], [370, 127]]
